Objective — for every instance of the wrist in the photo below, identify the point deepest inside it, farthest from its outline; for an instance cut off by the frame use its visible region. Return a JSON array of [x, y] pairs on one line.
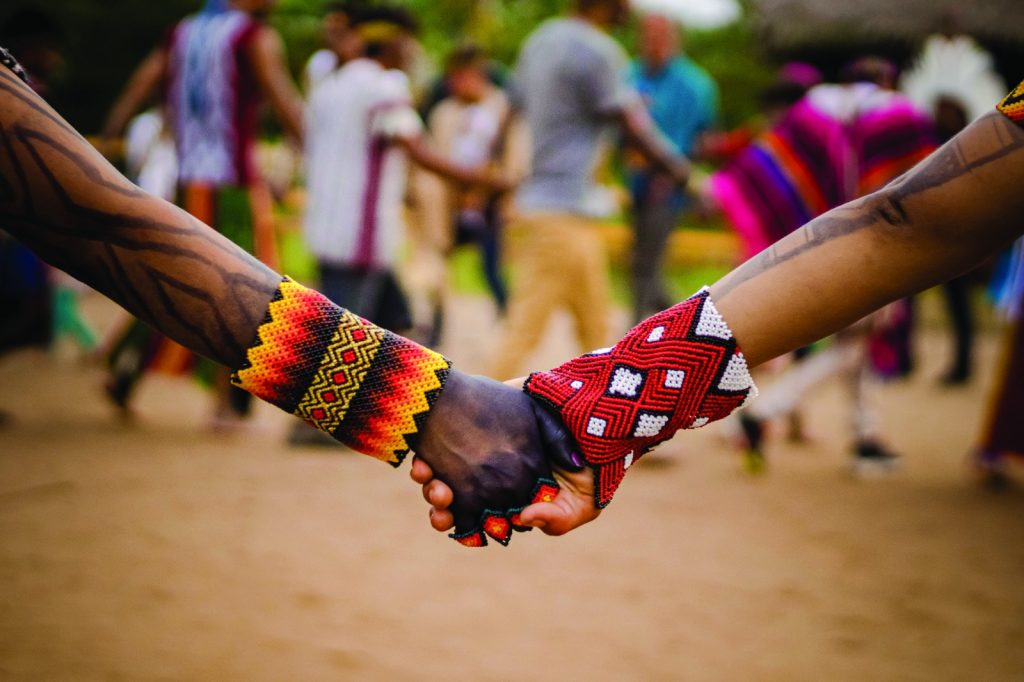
[[365, 386]]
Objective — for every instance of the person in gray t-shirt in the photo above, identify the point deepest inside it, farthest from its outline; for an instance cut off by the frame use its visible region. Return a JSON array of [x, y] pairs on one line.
[[572, 87]]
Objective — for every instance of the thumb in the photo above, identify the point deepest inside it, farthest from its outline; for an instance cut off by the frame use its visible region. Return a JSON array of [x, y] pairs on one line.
[[559, 445], [548, 517]]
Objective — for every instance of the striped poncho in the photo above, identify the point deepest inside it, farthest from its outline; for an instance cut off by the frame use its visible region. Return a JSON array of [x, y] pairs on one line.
[[838, 143]]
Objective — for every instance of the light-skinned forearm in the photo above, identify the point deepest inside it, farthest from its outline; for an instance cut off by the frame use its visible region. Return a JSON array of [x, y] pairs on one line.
[[951, 212], [428, 159]]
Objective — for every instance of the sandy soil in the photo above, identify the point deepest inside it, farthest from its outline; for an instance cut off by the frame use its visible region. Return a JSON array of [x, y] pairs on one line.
[[156, 550]]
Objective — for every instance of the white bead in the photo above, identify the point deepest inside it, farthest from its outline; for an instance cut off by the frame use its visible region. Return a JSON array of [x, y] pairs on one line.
[[674, 378], [625, 383], [649, 426], [657, 334]]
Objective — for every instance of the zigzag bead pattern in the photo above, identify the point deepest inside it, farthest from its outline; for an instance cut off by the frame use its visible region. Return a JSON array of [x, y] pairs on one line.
[[366, 387], [1013, 105], [679, 369]]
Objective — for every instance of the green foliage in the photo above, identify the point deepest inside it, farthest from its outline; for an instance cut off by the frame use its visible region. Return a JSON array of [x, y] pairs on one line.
[[499, 25], [733, 58], [730, 54], [106, 40]]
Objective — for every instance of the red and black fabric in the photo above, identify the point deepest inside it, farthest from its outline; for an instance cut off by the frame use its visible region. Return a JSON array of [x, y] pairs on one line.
[[679, 369]]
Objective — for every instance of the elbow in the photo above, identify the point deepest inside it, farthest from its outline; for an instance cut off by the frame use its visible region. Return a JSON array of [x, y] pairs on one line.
[[893, 219]]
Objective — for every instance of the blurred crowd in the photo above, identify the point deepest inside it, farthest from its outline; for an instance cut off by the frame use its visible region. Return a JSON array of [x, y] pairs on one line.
[[390, 176]]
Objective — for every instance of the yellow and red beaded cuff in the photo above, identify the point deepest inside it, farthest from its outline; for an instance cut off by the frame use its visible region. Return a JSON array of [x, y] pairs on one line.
[[1012, 105], [365, 386]]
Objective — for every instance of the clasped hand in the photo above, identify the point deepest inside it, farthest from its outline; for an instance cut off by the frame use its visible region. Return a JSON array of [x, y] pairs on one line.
[[485, 447]]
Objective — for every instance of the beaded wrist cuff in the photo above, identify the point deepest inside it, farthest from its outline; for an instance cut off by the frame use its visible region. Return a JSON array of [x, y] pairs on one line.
[[365, 386], [1012, 105], [681, 368]]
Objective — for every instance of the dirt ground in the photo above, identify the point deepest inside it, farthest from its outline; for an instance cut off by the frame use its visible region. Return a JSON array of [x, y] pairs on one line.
[[157, 550]]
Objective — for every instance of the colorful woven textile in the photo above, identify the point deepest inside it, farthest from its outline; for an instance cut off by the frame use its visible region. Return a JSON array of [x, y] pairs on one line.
[[365, 386], [836, 144], [1013, 105], [679, 369]]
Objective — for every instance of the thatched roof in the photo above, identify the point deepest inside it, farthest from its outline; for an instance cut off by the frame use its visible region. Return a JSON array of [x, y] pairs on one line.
[[798, 24]]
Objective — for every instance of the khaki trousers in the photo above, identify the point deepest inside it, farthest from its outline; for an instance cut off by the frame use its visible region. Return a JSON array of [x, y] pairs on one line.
[[558, 261]]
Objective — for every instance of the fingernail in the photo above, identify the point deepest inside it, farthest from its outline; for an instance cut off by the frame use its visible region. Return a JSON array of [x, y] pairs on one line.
[[576, 459]]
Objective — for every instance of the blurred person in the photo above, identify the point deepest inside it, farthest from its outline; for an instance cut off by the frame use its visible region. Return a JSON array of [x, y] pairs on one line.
[[952, 210], [38, 36], [560, 260], [341, 44], [25, 298], [467, 127], [361, 132], [26, 291], [151, 163], [954, 79], [683, 101], [213, 71], [149, 155], [1002, 436], [485, 445], [791, 83], [370, 389], [839, 142]]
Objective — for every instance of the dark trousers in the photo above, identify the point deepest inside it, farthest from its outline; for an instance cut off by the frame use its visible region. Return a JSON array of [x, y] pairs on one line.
[[373, 293], [485, 232], [653, 222], [958, 302]]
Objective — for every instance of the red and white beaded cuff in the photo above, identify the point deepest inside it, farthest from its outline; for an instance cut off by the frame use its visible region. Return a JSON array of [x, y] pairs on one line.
[[680, 369]]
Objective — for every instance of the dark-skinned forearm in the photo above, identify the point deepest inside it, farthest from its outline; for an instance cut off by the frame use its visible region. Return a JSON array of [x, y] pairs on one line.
[[62, 199], [952, 211]]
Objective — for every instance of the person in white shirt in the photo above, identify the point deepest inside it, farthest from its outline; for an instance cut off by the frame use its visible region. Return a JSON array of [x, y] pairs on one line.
[[361, 131], [341, 44], [470, 126]]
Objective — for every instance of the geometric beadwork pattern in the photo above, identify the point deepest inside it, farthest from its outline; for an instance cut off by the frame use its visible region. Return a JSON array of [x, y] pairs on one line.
[[365, 386], [679, 369], [1013, 105], [346, 361]]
